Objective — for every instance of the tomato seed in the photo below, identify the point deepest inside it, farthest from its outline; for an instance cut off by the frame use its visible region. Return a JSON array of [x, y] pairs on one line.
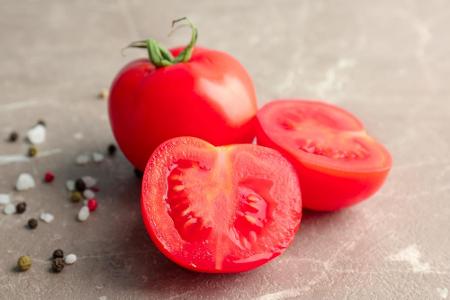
[[178, 188]]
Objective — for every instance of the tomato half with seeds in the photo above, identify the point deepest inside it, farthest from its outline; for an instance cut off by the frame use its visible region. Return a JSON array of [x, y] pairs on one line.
[[219, 209], [337, 162]]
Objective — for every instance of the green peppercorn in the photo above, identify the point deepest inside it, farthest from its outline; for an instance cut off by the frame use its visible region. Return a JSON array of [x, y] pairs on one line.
[[24, 263], [80, 185], [32, 223], [58, 253], [112, 149], [13, 136], [32, 151], [76, 197], [58, 265], [21, 207]]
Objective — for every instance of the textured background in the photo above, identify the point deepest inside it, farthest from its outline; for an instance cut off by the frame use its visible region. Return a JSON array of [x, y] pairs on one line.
[[386, 61]]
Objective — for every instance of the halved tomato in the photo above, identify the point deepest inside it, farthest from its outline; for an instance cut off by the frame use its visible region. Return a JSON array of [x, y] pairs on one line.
[[337, 162], [219, 209]]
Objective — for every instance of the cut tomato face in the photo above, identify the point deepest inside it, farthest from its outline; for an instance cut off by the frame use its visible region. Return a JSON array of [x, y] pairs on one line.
[[337, 162], [219, 209]]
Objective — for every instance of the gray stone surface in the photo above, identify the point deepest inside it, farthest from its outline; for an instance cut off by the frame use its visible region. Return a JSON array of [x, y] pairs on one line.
[[386, 61]]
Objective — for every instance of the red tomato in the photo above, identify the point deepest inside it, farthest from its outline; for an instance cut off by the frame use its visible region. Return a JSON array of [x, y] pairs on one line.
[[219, 209], [337, 162], [210, 96]]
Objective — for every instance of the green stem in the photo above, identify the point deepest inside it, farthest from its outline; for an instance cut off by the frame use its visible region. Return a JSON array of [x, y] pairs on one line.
[[160, 56]]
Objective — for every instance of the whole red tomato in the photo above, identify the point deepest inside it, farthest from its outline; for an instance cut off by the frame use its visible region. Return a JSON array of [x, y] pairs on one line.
[[182, 92]]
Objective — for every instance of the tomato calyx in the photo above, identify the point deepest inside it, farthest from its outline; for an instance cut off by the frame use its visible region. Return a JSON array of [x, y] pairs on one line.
[[160, 56]]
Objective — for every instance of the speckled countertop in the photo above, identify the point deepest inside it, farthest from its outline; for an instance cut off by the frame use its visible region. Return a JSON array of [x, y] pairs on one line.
[[386, 61]]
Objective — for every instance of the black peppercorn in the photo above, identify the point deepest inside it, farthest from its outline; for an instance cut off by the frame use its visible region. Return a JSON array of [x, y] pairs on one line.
[[13, 136], [58, 265], [32, 151], [42, 122], [21, 207], [80, 185], [58, 253], [112, 149], [32, 223], [138, 173]]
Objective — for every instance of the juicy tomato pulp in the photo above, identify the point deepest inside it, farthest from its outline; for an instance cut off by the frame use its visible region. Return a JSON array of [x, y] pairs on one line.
[[211, 97], [219, 209], [337, 162]]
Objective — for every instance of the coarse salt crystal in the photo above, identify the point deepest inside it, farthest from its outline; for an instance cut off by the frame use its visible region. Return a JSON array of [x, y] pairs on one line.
[[24, 182], [36, 135], [97, 157], [89, 181], [83, 214], [47, 217], [70, 185], [5, 199], [82, 159], [88, 194], [70, 259], [9, 209]]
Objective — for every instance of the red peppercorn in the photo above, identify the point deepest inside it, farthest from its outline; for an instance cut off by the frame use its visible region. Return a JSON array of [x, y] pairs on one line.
[[49, 177], [94, 189], [92, 204]]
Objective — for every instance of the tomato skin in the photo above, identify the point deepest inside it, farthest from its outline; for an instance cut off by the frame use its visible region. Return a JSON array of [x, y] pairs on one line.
[[241, 166], [211, 97], [327, 189]]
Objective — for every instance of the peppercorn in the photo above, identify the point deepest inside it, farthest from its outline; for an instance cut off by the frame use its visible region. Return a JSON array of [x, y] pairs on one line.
[[32, 151], [21, 207], [13, 136], [112, 149], [32, 223], [80, 185], [58, 253], [24, 263], [58, 265], [49, 177], [42, 122], [138, 173], [76, 197], [92, 205]]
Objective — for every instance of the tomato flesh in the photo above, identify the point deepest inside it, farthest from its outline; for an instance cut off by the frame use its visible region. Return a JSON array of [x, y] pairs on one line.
[[338, 163], [220, 209]]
